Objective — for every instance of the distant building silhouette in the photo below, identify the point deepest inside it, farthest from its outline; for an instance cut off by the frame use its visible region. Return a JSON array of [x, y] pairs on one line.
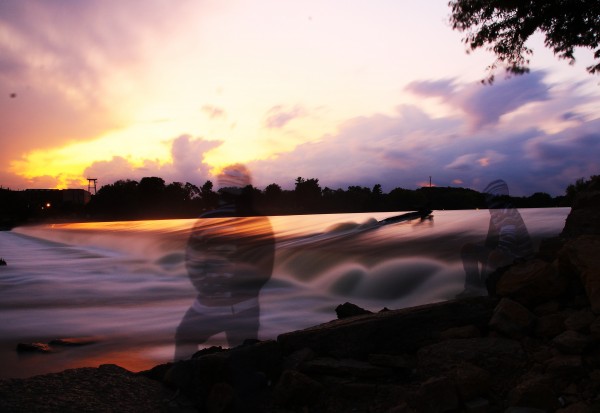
[[44, 198]]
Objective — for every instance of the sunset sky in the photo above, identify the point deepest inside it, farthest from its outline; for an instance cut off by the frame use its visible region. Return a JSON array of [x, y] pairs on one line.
[[350, 92]]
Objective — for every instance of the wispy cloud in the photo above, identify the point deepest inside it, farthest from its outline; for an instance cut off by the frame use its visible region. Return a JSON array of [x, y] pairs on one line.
[[484, 106], [213, 112], [279, 116]]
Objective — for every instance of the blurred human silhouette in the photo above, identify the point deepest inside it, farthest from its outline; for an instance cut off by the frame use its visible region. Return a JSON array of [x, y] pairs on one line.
[[229, 257], [507, 240]]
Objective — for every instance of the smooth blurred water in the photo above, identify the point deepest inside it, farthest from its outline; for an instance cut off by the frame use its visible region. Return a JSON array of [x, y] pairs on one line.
[[125, 284]]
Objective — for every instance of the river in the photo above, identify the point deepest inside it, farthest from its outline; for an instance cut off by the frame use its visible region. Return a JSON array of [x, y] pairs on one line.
[[124, 285]]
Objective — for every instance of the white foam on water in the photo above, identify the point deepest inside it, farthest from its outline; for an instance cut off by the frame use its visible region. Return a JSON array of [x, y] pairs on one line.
[[126, 282]]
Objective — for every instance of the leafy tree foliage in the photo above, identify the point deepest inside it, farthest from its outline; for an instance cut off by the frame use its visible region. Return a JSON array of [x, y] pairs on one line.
[[151, 198], [308, 193], [503, 26], [581, 185]]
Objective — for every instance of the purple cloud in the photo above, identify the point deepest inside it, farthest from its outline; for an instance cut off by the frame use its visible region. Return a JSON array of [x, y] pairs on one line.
[[432, 88], [405, 148], [188, 157], [485, 105], [278, 116]]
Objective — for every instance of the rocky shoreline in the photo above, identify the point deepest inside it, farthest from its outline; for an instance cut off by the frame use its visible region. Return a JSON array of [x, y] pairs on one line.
[[532, 346]]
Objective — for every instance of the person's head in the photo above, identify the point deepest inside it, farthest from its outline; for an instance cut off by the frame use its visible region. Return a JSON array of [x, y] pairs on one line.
[[234, 181], [233, 178], [496, 194]]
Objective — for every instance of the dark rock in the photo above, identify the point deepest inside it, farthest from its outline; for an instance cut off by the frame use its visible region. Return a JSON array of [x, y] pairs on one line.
[[344, 395], [471, 381], [535, 393], [580, 407], [345, 367], [591, 358], [401, 408], [543, 354], [220, 398], [549, 248], [436, 395], [294, 360], [391, 332], [33, 348], [157, 372], [504, 357], [179, 375], [48, 348], [74, 341], [107, 388], [550, 325], [264, 356], [460, 332], [295, 388], [580, 257], [512, 319], [565, 366], [2, 262], [208, 350], [478, 405], [580, 320], [584, 217], [595, 375], [550, 307], [247, 369], [350, 310], [595, 328], [531, 282], [572, 342], [400, 362]]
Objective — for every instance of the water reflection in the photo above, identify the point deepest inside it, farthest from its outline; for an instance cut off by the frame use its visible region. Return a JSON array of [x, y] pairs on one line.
[[127, 281]]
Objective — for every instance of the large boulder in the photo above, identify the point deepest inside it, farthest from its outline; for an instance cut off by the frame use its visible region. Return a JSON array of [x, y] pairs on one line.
[[532, 282], [503, 357], [581, 257], [584, 218], [512, 319], [240, 374], [389, 332]]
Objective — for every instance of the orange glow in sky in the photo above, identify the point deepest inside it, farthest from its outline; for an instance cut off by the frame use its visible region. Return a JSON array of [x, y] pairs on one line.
[[334, 90]]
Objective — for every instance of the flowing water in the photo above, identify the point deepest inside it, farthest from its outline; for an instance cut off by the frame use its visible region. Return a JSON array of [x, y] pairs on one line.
[[124, 285]]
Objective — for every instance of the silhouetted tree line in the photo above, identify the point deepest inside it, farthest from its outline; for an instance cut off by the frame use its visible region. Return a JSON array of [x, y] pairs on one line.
[[152, 198]]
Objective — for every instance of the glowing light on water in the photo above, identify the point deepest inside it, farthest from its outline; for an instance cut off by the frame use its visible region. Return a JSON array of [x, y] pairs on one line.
[[127, 282]]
